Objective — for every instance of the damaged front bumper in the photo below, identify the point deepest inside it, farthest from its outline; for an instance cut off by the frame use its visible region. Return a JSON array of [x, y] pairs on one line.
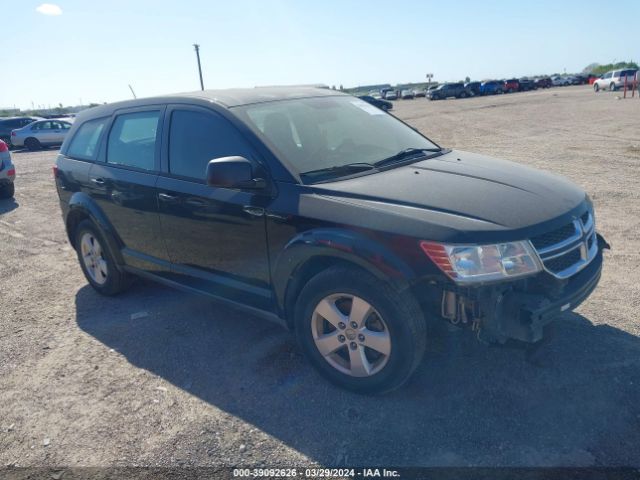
[[520, 310]]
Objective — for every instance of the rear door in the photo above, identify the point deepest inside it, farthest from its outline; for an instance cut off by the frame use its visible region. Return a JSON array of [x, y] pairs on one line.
[[60, 129], [124, 185], [215, 237]]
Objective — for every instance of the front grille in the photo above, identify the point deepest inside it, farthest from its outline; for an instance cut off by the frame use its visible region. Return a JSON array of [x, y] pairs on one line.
[[554, 237], [559, 264], [568, 249]]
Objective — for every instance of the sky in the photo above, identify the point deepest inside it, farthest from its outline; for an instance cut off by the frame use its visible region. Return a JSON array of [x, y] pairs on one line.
[[81, 51]]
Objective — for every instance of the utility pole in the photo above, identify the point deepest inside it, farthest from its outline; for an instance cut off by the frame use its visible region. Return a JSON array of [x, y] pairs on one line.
[[197, 47]]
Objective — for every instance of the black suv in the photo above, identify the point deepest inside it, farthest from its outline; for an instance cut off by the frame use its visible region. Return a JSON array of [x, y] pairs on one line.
[[317, 209], [13, 123], [447, 90]]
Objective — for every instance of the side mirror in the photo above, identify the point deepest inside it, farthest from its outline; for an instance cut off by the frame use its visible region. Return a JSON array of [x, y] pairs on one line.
[[234, 172]]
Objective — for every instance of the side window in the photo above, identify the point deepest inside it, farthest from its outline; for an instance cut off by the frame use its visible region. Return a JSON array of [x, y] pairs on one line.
[[45, 126], [38, 126], [84, 144], [132, 139], [608, 75], [197, 137]]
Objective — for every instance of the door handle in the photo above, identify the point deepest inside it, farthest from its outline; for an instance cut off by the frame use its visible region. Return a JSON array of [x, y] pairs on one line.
[[196, 203], [98, 181], [164, 197], [253, 211]]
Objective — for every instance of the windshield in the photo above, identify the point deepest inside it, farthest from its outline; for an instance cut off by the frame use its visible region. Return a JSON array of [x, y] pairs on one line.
[[323, 132]]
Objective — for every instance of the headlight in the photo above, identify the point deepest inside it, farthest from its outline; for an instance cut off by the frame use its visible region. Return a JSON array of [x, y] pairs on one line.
[[482, 263]]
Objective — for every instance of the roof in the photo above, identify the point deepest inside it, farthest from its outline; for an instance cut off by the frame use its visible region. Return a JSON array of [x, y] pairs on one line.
[[228, 98]]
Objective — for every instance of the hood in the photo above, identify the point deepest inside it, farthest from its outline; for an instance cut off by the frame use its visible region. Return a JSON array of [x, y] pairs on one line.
[[463, 192]]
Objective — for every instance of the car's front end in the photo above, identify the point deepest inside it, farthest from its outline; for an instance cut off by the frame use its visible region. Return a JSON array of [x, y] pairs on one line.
[[512, 290], [491, 245]]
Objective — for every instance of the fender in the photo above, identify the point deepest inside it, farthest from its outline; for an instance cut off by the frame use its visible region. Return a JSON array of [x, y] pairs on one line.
[[339, 244], [82, 203]]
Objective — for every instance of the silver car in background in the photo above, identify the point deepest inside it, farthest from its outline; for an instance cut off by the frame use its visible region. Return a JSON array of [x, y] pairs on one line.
[[43, 133]]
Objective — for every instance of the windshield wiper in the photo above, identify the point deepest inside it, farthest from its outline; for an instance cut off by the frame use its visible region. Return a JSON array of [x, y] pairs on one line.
[[342, 169], [405, 154]]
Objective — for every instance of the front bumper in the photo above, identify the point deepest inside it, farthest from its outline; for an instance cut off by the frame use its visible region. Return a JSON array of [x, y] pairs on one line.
[[522, 315]]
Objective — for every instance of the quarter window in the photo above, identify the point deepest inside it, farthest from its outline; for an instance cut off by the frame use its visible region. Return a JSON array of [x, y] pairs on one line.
[[197, 137], [132, 140], [84, 144]]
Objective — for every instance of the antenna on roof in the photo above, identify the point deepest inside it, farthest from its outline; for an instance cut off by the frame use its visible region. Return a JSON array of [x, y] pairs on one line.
[[132, 92]]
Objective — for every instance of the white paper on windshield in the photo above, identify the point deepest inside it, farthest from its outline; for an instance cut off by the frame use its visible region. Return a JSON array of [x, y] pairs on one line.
[[367, 107]]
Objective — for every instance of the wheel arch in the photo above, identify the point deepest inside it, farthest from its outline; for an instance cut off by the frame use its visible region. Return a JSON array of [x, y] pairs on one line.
[[82, 207], [313, 252]]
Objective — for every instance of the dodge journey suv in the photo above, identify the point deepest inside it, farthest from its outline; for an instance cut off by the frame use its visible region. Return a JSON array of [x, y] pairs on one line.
[[318, 210]]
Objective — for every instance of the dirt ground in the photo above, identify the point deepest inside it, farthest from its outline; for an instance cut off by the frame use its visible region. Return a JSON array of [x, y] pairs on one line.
[[188, 382]]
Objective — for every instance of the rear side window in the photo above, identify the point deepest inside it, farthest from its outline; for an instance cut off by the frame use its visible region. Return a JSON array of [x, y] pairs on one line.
[[197, 137], [84, 144], [132, 140]]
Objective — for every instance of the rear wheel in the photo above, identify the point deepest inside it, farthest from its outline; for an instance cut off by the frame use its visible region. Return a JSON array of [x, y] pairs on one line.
[[96, 261], [33, 144], [8, 190], [359, 332]]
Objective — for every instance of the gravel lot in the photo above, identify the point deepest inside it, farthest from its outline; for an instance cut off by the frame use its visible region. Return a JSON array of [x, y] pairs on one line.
[[193, 383]]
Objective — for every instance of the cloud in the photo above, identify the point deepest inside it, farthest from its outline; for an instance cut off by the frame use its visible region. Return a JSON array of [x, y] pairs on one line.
[[49, 9]]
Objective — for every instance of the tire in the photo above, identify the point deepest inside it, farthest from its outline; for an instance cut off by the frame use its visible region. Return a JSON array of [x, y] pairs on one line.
[[33, 144], [7, 191], [395, 322], [104, 277], [596, 87], [463, 95], [612, 87]]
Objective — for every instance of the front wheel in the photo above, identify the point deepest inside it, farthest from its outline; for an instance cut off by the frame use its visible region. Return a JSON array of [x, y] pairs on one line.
[[612, 87], [359, 332], [596, 87]]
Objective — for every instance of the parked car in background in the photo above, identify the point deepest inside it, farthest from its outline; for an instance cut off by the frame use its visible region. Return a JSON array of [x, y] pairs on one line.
[[43, 133], [559, 81], [212, 192], [527, 84], [491, 87], [9, 124], [419, 93], [7, 172], [473, 87], [377, 102], [407, 94], [447, 90], [543, 82], [390, 95], [511, 85], [614, 79]]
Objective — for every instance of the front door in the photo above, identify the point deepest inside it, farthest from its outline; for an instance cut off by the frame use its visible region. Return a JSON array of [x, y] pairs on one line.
[[215, 237]]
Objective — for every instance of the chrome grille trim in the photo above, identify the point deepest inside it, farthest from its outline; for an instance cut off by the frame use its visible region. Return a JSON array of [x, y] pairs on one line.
[[584, 233]]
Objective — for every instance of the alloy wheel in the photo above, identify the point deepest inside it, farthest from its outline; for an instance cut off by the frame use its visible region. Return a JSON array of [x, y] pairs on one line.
[[351, 335], [93, 258]]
